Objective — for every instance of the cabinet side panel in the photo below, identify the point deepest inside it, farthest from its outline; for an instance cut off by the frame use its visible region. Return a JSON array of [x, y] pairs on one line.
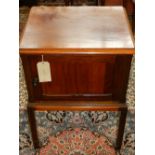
[[121, 75], [30, 76]]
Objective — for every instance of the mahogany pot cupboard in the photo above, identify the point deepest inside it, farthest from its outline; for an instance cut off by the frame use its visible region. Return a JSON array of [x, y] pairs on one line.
[[88, 52]]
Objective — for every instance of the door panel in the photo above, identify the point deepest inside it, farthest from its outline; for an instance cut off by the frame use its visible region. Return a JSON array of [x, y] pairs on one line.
[[75, 76]]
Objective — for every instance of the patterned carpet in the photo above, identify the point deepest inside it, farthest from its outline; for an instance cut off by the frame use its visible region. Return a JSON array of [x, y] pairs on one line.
[[77, 141], [75, 133]]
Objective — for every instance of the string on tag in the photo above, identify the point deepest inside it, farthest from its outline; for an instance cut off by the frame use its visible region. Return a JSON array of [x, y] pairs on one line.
[[42, 58]]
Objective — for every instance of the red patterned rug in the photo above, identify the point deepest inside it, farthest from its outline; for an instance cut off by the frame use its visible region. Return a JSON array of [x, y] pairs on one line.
[[77, 142]]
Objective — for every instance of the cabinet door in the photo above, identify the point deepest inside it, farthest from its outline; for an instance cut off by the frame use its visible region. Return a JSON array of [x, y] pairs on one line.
[[73, 77]]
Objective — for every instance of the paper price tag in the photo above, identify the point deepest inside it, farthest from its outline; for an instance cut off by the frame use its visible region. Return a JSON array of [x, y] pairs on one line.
[[44, 71]]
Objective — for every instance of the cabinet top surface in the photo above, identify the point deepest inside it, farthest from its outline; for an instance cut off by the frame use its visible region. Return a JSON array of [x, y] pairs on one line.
[[77, 28]]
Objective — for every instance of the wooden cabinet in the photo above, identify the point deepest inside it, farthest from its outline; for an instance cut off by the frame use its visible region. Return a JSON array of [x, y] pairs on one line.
[[89, 51], [82, 77]]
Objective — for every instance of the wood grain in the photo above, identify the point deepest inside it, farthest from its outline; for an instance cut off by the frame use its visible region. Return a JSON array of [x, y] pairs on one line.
[[81, 77], [76, 28], [78, 105]]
